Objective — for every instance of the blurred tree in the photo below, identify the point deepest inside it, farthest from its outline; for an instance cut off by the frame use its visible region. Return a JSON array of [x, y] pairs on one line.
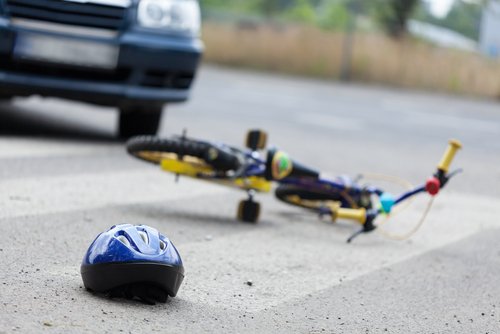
[[464, 17], [303, 11], [334, 15], [394, 15], [268, 7]]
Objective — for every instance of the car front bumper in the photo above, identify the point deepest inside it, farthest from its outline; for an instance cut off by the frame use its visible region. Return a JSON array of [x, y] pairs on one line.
[[150, 68]]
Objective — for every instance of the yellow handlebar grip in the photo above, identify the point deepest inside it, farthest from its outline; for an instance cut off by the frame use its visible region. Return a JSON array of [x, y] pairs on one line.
[[453, 146], [358, 215]]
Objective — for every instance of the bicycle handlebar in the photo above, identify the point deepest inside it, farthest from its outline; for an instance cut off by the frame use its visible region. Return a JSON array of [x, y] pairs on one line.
[[439, 180], [358, 215], [433, 186], [453, 146]]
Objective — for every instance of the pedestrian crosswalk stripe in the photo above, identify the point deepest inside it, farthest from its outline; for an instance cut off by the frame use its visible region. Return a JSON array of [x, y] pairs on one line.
[[35, 196]]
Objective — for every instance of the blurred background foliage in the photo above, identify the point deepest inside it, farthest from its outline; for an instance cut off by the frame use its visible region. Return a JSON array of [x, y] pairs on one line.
[[394, 42], [464, 17], [389, 15]]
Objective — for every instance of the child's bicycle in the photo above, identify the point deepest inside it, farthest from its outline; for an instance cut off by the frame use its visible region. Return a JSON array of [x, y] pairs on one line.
[[342, 198]]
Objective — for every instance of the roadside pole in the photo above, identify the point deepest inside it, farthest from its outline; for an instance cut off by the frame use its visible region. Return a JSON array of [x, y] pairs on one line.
[[348, 44]]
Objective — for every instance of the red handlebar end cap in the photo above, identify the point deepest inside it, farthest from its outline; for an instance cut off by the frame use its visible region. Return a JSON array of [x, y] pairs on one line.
[[433, 186]]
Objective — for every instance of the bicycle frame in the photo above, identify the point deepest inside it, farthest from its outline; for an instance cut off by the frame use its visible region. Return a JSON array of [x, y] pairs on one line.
[[250, 177], [352, 190], [343, 195]]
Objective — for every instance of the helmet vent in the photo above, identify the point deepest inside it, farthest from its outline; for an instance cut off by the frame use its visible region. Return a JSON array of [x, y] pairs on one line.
[[124, 240], [144, 236], [162, 245]]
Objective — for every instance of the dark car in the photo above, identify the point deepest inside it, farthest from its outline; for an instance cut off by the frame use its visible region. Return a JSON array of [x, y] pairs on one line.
[[136, 55]]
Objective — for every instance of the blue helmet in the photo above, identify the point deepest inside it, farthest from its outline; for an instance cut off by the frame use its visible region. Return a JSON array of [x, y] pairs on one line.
[[133, 261]]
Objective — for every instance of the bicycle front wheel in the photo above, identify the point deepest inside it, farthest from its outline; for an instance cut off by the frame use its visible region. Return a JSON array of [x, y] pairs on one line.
[[304, 197]]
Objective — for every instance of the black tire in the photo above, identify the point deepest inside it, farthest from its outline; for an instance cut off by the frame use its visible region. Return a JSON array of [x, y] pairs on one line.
[[249, 211], [153, 149], [256, 140], [304, 198], [5, 98], [139, 120]]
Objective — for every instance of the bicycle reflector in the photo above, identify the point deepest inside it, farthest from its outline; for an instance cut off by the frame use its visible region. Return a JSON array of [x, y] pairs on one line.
[[387, 202]]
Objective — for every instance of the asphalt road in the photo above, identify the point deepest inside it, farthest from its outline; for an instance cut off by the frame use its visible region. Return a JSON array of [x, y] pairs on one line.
[[64, 179]]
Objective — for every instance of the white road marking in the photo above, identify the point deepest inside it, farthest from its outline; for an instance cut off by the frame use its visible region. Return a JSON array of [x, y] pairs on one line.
[[286, 259], [304, 257], [454, 122], [32, 148], [36, 196], [293, 257], [330, 121]]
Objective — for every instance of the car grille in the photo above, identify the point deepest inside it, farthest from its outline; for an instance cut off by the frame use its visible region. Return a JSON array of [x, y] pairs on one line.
[[68, 12], [152, 79], [58, 71]]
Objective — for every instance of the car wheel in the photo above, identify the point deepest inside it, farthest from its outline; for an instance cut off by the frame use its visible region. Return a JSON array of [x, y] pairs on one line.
[[5, 98], [139, 120]]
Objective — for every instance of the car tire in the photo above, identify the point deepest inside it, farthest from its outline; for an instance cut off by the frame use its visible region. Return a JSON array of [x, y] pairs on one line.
[[139, 120], [5, 98]]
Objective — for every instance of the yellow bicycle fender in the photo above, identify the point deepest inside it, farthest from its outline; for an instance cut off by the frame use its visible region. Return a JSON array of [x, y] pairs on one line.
[[254, 182], [188, 169], [184, 168]]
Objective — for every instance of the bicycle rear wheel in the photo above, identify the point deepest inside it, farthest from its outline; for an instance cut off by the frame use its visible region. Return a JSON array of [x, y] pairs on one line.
[[195, 153]]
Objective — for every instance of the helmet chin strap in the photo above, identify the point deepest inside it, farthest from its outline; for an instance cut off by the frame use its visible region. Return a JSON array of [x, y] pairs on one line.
[[148, 294]]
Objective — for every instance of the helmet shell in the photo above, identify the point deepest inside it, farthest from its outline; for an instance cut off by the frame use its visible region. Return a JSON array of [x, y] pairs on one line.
[[109, 247], [127, 256]]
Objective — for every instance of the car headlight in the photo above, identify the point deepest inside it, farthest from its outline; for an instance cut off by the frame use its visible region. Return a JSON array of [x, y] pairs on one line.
[[177, 15]]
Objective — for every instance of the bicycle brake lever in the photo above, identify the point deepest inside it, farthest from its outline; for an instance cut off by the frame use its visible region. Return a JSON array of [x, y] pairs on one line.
[[367, 228], [358, 233], [355, 235], [455, 172], [439, 181], [358, 178]]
